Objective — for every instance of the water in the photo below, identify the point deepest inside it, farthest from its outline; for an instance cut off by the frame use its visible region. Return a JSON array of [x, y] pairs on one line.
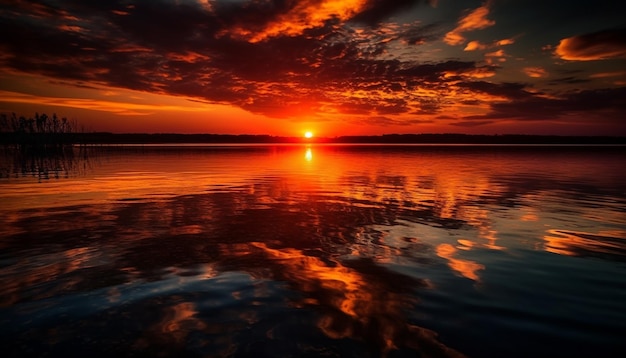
[[290, 251]]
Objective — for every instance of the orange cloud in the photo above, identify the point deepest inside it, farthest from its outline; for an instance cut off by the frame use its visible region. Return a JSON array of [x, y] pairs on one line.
[[70, 28], [479, 72], [602, 45], [120, 12], [535, 72], [475, 20], [190, 57], [475, 45], [306, 15], [119, 108], [206, 5], [608, 74], [498, 55]]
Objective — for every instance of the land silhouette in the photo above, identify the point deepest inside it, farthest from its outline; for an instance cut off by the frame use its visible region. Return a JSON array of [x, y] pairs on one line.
[[444, 138], [48, 133]]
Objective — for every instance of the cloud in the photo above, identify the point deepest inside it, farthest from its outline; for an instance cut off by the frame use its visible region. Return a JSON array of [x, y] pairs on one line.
[[204, 52], [535, 72], [477, 45], [508, 91], [295, 17], [282, 59], [474, 20], [257, 21], [418, 34], [608, 74], [568, 80], [505, 42], [604, 105], [496, 56], [374, 11], [480, 72], [498, 53], [602, 45], [126, 108], [471, 123]]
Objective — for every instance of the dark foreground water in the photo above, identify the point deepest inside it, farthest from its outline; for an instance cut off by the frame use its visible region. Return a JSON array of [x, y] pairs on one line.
[[294, 251]]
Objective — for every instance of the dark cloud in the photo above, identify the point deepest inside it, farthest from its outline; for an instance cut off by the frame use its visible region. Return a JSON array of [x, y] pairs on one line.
[[377, 10], [428, 106], [380, 107], [418, 34], [435, 72], [471, 102], [382, 121], [568, 80], [253, 16], [601, 45], [597, 100], [471, 123], [512, 91], [165, 26], [603, 104]]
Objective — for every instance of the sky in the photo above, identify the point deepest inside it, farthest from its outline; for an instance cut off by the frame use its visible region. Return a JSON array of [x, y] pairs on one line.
[[351, 67]]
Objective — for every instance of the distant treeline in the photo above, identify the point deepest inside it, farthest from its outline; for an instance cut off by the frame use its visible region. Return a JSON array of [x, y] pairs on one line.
[[172, 138], [50, 132], [168, 138], [455, 138]]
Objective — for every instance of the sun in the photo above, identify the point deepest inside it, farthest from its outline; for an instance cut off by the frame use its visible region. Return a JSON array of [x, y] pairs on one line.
[[308, 134]]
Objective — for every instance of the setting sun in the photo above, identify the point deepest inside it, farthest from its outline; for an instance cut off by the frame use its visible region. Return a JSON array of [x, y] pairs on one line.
[[308, 134]]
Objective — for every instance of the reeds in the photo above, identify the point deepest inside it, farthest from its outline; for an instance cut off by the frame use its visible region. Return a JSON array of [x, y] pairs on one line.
[[41, 133]]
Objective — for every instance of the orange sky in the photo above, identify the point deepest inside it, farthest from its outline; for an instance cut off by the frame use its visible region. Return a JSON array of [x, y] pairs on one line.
[[332, 67]]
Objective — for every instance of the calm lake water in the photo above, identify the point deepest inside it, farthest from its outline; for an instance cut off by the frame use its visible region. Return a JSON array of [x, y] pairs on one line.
[[336, 251]]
